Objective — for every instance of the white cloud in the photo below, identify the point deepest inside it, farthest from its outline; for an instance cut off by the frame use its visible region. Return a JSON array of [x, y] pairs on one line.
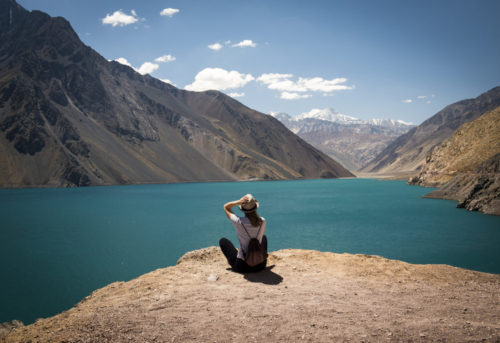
[[293, 96], [287, 85], [169, 12], [236, 95], [407, 101], [215, 46], [245, 43], [273, 78], [123, 61], [118, 18], [218, 79], [147, 68], [280, 82], [318, 84], [227, 42], [421, 96], [283, 82], [428, 102], [165, 58]]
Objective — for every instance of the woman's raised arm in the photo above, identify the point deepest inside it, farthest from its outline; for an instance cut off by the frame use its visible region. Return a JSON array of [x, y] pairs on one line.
[[228, 206]]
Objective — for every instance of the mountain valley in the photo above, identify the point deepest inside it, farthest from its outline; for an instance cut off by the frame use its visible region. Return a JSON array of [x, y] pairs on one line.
[[351, 141]]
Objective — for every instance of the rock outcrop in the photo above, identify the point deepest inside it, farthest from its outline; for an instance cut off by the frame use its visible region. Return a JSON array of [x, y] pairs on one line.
[[69, 117], [478, 190], [409, 151], [302, 295], [465, 166]]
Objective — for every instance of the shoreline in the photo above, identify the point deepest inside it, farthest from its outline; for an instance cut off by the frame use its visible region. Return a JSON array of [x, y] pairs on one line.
[[383, 176], [361, 176], [167, 183]]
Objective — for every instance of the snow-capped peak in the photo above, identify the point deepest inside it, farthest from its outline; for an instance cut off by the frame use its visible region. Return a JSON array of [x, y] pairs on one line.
[[332, 115], [328, 114], [387, 122]]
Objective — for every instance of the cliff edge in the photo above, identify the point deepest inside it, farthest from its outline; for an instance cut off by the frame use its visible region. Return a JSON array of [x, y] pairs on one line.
[[302, 295]]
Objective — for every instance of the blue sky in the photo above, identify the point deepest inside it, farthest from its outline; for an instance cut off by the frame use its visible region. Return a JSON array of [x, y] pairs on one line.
[[368, 59]]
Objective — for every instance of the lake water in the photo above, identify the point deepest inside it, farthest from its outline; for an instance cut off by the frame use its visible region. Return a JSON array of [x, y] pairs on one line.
[[58, 245]]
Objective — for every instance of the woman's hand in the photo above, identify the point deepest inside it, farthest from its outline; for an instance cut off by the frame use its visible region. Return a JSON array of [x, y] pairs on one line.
[[227, 207]]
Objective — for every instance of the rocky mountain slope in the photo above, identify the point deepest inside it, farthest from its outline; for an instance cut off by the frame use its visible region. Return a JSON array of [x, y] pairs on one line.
[[408, 152], [466, 166], [472, 144], [68, 117], [349, 140], [302, 295], [478, 190]]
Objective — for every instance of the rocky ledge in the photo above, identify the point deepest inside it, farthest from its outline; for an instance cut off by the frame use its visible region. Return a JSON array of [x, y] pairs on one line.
[[475, 191], [302, 295]]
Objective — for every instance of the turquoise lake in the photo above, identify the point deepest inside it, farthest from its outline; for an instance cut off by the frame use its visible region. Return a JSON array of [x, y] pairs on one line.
[[58, 245]]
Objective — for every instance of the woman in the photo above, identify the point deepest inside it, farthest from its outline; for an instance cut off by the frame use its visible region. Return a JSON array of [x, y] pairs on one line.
[[247, 227]]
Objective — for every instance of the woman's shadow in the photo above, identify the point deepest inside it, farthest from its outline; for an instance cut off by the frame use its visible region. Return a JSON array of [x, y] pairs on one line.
[[265, 276]]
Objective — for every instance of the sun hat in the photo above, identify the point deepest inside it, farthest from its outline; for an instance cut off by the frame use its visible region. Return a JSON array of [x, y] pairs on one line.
[[251, 205]]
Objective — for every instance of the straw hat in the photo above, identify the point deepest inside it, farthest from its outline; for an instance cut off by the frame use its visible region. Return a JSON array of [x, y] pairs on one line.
[[251, 205]]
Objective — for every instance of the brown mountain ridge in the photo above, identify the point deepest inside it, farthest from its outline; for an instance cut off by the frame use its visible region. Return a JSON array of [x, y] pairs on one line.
[[408, 152], [466, 167], [69, 117]]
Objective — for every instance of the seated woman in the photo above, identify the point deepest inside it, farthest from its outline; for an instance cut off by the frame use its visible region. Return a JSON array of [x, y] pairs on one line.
[[247, 227]]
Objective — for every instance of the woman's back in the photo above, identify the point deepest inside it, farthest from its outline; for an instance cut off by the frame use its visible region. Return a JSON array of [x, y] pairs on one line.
[[242, 226], [248, 227]]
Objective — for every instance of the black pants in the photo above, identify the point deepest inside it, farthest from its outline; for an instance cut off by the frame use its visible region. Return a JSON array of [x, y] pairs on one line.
[[236, 263]]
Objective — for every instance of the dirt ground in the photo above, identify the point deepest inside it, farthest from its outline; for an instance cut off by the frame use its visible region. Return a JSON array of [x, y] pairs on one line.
[[302, 296]]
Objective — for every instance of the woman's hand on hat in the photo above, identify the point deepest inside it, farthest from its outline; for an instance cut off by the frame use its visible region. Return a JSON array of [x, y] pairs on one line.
[[244, 199]]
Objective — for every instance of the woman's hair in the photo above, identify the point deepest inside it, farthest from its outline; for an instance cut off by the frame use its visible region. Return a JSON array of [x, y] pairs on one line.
[[254, 218]]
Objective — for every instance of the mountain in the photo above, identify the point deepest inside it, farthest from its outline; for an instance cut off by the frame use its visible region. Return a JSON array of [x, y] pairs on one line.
[[407, 153], [328, 114], [69, 117], [466, 166], [334, 116], [472, 144], [351, 141]]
